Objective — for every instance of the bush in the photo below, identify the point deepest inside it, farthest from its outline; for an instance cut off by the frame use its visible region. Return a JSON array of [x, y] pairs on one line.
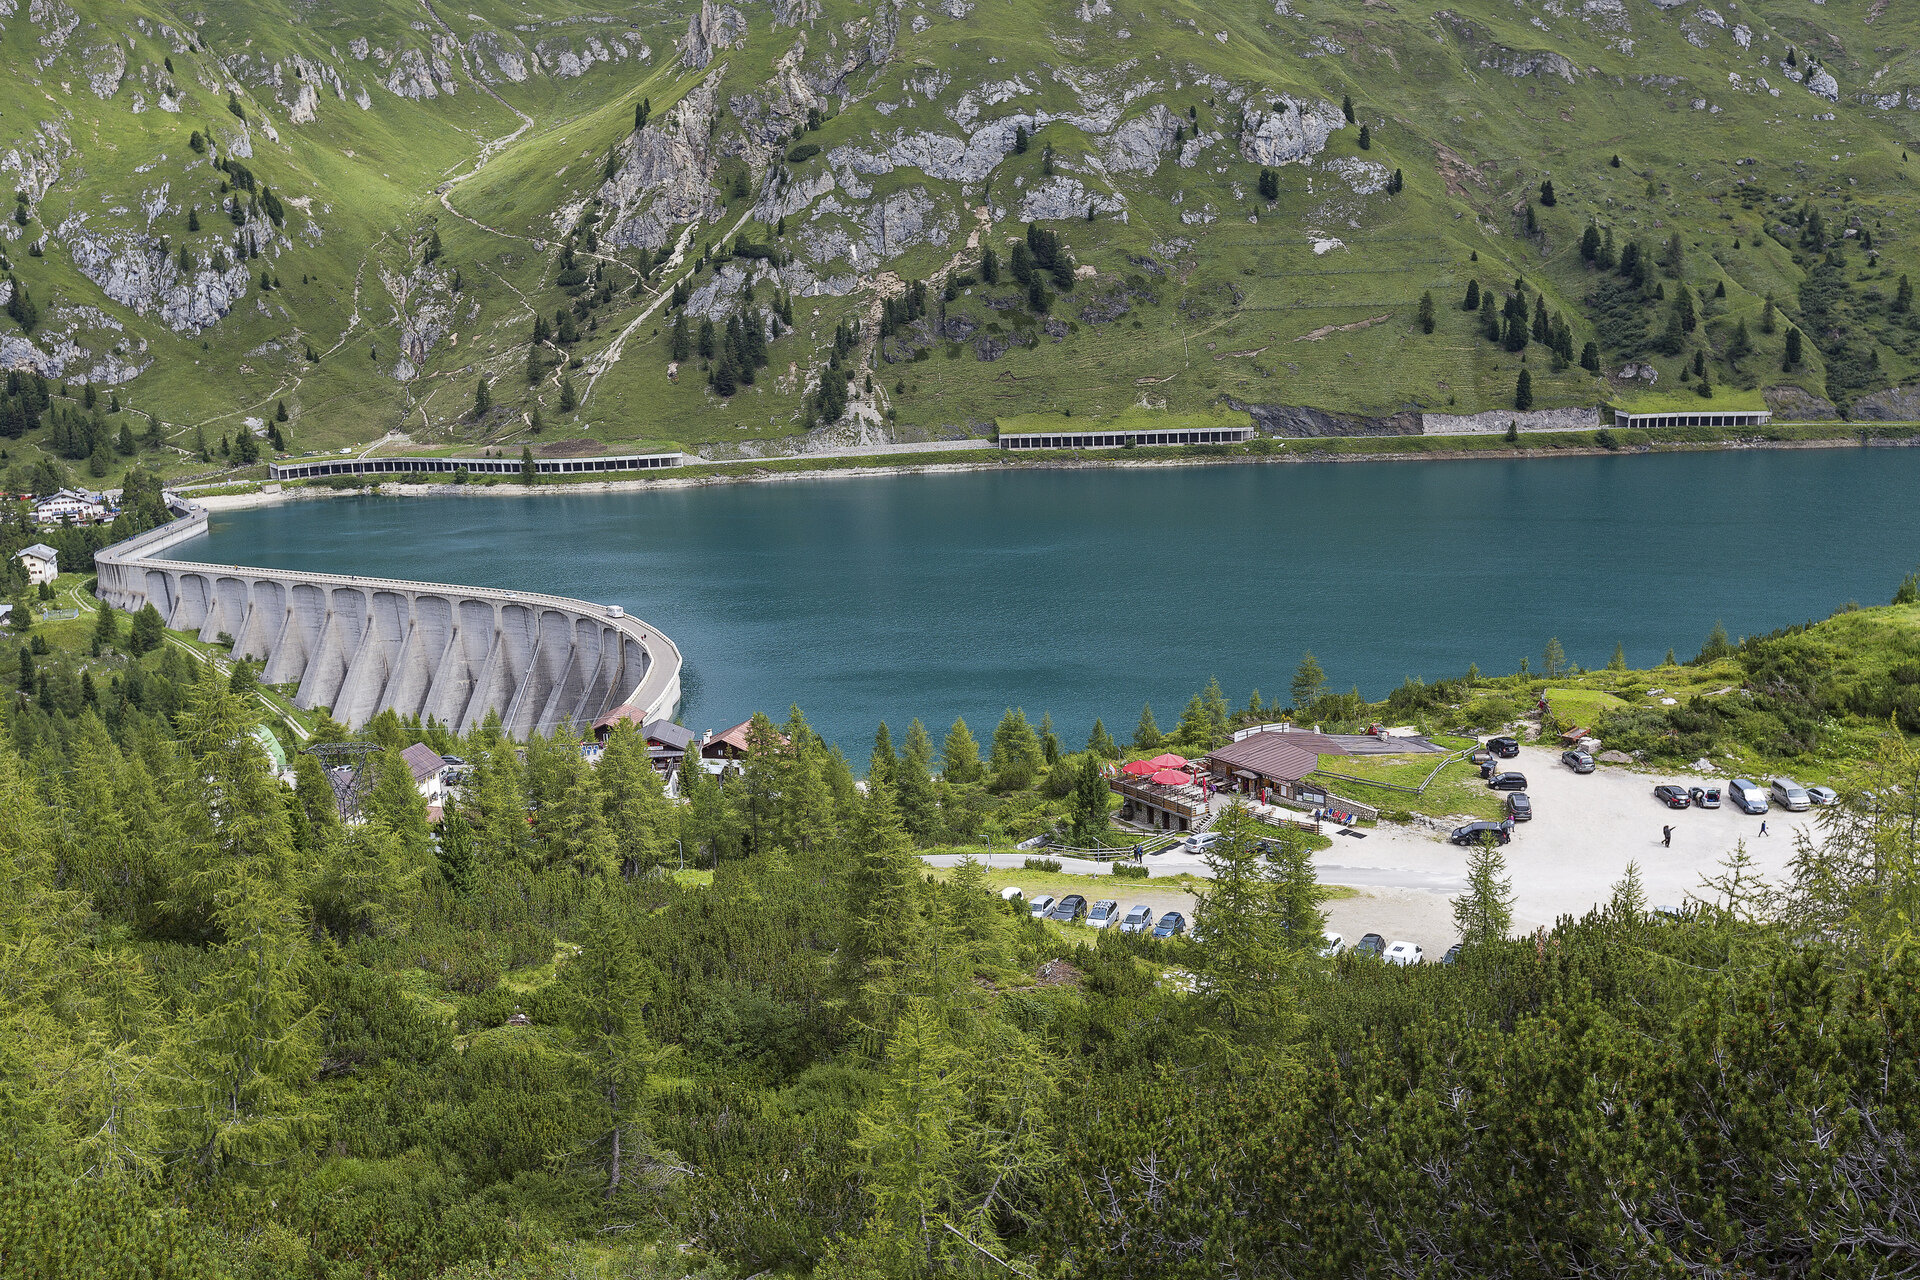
[[1129, 871], [802, 153], [1042, 864]]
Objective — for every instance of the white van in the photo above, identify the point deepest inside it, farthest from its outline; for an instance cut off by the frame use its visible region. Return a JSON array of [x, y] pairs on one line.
[[1790, 795]]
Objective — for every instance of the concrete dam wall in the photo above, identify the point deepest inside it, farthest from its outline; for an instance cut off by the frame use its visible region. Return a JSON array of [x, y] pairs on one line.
[[359, 646]]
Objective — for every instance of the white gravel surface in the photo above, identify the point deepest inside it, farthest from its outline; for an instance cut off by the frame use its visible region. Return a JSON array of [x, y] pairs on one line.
[[1585, 830]]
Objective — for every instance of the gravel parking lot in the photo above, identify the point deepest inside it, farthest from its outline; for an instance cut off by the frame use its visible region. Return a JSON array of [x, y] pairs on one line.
[[1585, 830]]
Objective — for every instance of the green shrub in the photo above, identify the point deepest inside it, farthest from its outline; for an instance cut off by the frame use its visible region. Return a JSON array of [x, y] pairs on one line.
[[802, 153], [1042, 864], [1129, 871]]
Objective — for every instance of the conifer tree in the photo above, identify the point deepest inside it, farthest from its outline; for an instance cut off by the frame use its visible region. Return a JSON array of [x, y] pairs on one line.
[[1309, 683], [1426, 312], [960, 755], [1100, 743], [1016, 758], [637, 813], [1146, 736], [1472, 302], [1484, 912], [1523, 391], [880, 763]]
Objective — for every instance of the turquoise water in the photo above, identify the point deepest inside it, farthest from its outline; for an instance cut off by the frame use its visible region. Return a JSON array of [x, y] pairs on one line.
[[1083, 593]]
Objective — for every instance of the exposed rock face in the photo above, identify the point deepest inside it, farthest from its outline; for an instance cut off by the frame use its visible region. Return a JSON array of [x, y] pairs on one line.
[[666, 173], [137, 273], [1137, 145], [416, 74], [1061, 197], [422, 309], [794, 197], [1797, 405], [892, 226], [306, 105], [559, 58], [510, 64], [1296, 132], [1822, 85], [1526, 63], [711, 29], [1364, 176], [1291, 420], [106, 67], [795, 13], [1895, 404]]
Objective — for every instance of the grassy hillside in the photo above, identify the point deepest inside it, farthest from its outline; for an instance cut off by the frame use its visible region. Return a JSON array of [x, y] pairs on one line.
[[1227, 242]]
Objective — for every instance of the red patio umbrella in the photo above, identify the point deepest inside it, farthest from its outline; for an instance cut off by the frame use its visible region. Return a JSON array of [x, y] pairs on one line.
[[1173, 778], [1168, 761], [1139, 768]]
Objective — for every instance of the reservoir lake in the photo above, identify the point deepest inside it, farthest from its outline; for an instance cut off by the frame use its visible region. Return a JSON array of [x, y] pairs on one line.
[[1085, 592]]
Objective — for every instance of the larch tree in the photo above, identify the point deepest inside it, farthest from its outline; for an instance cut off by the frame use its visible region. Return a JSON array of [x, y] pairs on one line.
[[960, 755], [1146, 736], [1484, 913]]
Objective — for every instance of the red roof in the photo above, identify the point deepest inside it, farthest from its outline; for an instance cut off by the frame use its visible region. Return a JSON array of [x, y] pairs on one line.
[[626, 711]]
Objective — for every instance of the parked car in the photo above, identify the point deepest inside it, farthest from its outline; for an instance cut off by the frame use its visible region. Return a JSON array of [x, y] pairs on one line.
[[1042, 905], [1823, 795], [1171, 924], [1332, 944], [1139, 920], [1790, 795], [1505, 748], [1405, 953], [1452, 956], [1747, 796], [1519, 808], [1103, 913], [1011, 893], [1704, 797], [1371, 945], [1508, 781], [1069, 909], [1577, 760], [1474, 832], [1671, 795], [1200, 841]]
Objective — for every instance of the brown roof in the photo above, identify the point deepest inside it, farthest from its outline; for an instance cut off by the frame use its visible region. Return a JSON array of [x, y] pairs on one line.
[[423, 760], [1285, 757], [626, 711], [735, 737]]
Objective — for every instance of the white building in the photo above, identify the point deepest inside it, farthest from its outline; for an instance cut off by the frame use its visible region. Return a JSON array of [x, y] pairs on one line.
[[42, 561], [77, 505], [429, 769]]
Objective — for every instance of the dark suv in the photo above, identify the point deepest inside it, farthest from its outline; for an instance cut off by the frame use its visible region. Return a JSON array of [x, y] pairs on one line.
[[1475, 832], [1505, 748], [1068, 909], [1508, 782]]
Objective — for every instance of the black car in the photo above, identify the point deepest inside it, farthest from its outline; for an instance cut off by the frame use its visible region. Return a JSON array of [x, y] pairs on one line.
[[1068, 909], [1508, 782], [1370, 946], [1505, 748], [1170, 924], [1519, 808], [1674, 797], [1475, 832], [1705, 797], [1577, 760]]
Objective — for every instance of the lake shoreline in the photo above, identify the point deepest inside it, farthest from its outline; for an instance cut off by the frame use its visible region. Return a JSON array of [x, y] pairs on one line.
[[758, 472]]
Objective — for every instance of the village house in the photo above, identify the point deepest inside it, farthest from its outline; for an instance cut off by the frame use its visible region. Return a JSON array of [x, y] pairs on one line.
[[429, 769], [76, 506], [42, 562]]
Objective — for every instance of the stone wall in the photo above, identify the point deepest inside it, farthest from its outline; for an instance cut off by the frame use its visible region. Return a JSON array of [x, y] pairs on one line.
[[1486, 424]]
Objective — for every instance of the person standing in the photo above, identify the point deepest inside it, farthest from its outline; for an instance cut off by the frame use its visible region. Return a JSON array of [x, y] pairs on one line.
[[1666, 837]]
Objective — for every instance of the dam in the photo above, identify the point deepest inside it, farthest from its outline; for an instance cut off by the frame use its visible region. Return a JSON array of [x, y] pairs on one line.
[[358, 646]]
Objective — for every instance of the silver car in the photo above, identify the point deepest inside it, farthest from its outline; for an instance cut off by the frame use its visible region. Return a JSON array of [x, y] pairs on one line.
[[1138, 920], [1103, 913]]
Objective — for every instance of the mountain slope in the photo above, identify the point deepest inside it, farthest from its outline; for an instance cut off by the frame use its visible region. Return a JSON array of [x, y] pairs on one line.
[[1226, 240]]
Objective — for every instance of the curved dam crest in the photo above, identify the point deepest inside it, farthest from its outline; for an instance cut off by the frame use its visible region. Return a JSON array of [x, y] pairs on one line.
[[358, 646]]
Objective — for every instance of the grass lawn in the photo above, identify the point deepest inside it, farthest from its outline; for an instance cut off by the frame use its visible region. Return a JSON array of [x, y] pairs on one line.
[[1458, 789], [1582, 706]]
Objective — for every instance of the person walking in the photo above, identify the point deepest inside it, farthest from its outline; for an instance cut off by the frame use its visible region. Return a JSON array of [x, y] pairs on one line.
[[1763, 827], [1666, 837]]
